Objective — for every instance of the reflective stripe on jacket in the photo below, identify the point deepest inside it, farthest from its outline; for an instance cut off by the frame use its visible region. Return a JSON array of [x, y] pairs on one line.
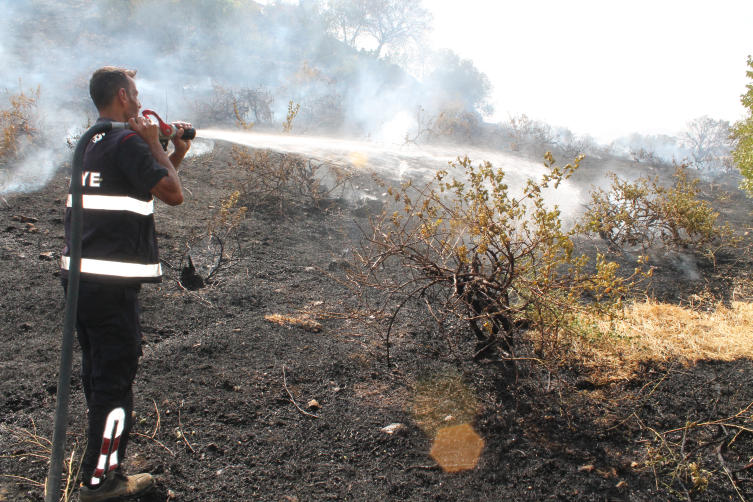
[[119, 242]]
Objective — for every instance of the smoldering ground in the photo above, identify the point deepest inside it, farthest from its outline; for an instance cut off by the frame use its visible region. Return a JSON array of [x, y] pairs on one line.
[[224, 379], [217, 419]]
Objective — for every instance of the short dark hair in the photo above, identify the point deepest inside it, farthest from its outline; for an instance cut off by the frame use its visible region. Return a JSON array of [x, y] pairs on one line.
[[106, 82]]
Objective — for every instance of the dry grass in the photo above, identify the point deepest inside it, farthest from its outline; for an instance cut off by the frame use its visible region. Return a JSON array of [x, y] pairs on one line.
[[660, 332], [303, 321]]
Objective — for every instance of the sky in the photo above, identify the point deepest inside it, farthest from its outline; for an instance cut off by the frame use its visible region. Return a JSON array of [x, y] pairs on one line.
[[605, 68]]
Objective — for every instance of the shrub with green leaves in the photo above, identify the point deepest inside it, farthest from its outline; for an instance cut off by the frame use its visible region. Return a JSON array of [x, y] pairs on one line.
[[478, 257], [743, 133], [648, 214]]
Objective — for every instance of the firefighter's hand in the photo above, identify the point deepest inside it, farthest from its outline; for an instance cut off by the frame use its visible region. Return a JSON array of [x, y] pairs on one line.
[[181, 145], [146, 130]]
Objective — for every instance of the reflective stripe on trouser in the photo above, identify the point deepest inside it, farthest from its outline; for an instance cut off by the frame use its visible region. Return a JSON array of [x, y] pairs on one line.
[[109, 334], [110, 442], [114, 268], [116, 203]]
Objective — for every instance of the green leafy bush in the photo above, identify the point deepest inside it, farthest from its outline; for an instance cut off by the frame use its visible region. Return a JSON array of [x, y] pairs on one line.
[[647, 214], [743, 133], [477, 256]]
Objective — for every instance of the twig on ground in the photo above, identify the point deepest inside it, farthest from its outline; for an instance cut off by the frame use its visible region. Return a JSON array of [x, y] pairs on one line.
[[165, 447], [195, 295], [25, 480], [640, 406], [715, 422], [429, 467], [68, 489], [156, 428], [684, 489], [183, 434], [730, 474], [292, 400]]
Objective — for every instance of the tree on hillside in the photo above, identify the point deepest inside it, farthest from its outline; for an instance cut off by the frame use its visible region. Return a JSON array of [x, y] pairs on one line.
[[705, 137], [396, 23], [391, 23], [346, 20], [459, 80], [743, 133]]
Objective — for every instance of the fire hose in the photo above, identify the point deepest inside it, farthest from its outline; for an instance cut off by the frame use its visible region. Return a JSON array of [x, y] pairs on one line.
[[57, 461]]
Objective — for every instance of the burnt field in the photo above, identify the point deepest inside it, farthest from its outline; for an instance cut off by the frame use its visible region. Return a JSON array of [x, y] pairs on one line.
[[245, 392]]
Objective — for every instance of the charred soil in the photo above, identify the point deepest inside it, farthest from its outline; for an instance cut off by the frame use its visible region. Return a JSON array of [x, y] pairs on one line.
[[223, 392]]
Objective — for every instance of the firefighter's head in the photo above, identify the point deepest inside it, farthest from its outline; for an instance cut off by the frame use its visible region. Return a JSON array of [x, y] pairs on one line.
[[114, 91]]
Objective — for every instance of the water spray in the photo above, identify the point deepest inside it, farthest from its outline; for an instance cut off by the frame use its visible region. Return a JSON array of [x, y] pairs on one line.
[[57, 460]]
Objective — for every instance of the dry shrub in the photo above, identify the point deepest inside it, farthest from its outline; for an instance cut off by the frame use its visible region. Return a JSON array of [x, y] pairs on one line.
[[424, 125], [39, 448], [285, 179], [20, 124], [72, 139], [479, 258], [217, 249], [231, 105], [526, 130], [287, 126], [645, 213], [457, 123], [316, 95], [643, 154], [454, 123]]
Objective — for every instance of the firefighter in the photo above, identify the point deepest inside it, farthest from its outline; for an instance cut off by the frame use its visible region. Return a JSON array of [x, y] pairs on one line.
[[122, 171]]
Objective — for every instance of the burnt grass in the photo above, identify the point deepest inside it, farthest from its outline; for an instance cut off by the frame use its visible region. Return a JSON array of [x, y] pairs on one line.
[[216, 423]]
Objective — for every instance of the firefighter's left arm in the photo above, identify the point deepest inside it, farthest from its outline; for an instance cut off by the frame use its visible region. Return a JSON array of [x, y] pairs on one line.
[[168, 190], [181, 145]]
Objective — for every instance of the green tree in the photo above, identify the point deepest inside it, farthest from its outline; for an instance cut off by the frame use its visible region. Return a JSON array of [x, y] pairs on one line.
[[393, 24], [346, 20], [743, 133], [457, 79]]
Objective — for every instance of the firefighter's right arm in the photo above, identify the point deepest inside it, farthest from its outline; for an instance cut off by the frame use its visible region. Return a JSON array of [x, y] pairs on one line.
[[168, 190]]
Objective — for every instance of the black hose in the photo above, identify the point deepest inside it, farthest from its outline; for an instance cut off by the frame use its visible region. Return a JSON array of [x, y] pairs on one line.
[[55, 475]]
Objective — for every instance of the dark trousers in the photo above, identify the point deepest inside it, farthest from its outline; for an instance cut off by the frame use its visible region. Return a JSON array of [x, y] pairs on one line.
[[109, 333]]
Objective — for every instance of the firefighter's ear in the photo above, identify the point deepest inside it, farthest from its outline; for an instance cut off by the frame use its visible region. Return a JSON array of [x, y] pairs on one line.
[[123, 96]]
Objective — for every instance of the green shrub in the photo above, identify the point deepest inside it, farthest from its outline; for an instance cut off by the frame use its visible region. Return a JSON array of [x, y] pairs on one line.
[[475, 255], [647, 214]]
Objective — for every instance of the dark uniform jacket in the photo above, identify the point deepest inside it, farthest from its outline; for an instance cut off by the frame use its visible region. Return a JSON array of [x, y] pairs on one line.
[[119, 239]]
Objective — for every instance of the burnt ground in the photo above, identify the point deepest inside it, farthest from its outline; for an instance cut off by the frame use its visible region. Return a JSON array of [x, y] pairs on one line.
[[216, 422]]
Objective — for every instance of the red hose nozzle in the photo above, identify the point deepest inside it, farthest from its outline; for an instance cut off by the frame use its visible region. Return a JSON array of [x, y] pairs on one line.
[[166, 129]]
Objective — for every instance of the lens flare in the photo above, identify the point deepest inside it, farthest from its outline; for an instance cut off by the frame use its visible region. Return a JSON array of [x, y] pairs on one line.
[[358, 159], [457, 448], [442, 400], [444, 407]]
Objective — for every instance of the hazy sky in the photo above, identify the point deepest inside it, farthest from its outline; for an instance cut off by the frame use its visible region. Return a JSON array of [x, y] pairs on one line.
[[605, 68]]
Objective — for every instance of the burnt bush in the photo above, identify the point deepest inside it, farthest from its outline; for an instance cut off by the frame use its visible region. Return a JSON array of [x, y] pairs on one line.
[[20, 124], [648, 214], [234, 105], [480, 259], [285, 180]]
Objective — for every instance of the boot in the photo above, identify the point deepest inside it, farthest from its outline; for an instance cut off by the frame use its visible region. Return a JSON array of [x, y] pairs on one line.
[[115, 486]]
